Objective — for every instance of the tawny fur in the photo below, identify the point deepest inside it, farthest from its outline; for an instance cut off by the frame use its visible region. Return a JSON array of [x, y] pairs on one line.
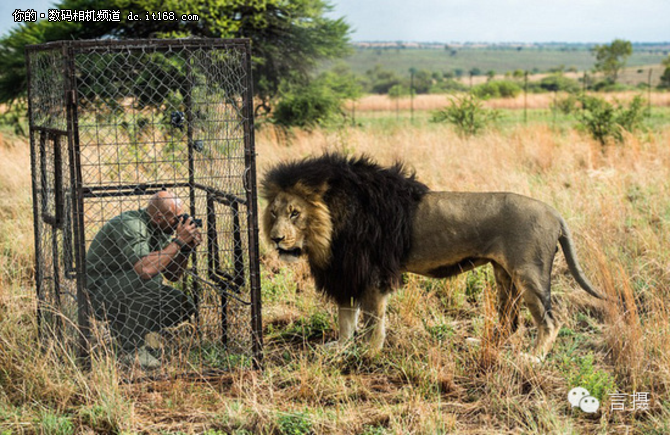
[[361, 226]]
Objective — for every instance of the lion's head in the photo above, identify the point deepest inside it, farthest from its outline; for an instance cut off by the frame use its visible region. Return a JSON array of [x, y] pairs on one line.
[[297, 222], [350, 217]]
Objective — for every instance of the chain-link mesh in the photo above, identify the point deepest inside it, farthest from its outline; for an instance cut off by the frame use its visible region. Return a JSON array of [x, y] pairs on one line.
[[125, 137]]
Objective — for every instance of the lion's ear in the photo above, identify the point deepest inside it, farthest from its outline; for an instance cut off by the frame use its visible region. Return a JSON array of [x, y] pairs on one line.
[[321, 190], [269, 191], [311, 193]]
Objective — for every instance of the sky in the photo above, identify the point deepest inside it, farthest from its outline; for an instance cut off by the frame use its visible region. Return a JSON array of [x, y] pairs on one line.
[[479, 20]]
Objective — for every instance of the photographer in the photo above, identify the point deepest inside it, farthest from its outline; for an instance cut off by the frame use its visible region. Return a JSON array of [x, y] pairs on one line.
[[126, 263]]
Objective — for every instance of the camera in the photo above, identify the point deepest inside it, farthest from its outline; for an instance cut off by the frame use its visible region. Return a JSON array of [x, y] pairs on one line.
[[184, 217]]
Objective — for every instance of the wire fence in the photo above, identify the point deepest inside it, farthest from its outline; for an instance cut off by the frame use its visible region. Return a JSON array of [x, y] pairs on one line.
[[127, 137]]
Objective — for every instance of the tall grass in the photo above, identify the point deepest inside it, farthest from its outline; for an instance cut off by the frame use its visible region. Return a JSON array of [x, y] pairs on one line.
[[382, 103], [429, 377]]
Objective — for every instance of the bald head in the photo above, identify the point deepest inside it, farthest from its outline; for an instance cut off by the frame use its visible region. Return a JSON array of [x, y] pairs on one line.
[[163, 209]]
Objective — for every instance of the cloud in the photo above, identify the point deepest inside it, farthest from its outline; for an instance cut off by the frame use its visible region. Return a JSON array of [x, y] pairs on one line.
[[507, 20]]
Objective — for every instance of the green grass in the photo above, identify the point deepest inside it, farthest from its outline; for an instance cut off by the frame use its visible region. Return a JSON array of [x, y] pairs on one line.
[[509, 119], [486, 59]]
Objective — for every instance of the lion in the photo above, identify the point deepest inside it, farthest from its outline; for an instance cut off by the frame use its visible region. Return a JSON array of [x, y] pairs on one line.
[[361, 226]]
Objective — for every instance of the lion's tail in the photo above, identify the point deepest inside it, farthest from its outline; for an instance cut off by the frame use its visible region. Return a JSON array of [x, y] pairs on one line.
[[571, 258]]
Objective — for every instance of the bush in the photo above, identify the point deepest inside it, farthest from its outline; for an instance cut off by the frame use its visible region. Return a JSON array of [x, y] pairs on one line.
[[381, 80], [566, 105], [497, 89], [307, 107], [448, 85], [665, 79], [605, 121], [559, 83], [608, 86], [583, 373], [298, 423], [467, 114]]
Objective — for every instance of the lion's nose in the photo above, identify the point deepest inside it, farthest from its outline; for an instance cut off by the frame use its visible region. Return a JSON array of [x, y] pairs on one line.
[[277, 239]]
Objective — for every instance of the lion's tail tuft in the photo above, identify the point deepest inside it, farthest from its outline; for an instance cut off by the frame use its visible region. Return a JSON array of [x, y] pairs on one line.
[[571, 258]]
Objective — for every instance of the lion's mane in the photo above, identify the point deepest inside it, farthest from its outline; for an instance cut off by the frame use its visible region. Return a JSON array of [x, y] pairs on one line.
[[371, 209]]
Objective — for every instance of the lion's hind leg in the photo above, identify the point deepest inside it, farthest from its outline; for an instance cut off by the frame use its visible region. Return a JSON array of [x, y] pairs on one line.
[[373, 305], [536, 295], [508, 302]]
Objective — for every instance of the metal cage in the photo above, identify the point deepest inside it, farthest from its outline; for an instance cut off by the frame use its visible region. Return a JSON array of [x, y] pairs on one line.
[[111, 124]]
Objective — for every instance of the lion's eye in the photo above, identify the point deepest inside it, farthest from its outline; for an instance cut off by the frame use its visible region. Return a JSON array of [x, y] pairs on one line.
[[295, 214]]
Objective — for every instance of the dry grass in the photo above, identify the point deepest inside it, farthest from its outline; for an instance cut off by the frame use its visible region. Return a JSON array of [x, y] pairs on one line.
[[382, 103], [428, 378]]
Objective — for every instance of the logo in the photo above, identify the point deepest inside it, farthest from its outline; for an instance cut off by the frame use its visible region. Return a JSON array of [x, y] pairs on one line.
[[581, 398]]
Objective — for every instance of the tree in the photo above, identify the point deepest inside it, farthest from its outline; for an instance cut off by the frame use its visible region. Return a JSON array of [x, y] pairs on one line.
[[289, 37], [317, 103], [611, 58], [345, 84], [381, 80], [665, 77], [423, 81], [307, 106]]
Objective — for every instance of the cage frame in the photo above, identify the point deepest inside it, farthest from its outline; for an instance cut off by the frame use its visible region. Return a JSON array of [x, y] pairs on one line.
[[40, 136]]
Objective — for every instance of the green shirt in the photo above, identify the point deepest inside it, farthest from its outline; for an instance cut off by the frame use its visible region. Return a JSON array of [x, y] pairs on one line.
[[122, 242]]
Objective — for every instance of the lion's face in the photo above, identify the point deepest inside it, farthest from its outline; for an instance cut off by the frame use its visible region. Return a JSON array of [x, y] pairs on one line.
[[287, 218], [298, 227]]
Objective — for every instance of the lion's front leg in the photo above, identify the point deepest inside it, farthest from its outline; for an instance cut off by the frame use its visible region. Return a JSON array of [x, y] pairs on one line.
[[373, 305], [348, 318]]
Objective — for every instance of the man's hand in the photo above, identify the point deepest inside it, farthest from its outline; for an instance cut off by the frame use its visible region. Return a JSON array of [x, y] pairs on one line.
[[188, 232], [172, 260]]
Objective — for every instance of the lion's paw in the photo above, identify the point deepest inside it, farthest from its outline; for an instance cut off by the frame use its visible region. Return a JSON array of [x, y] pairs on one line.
[[531, 359], [335, 345], [473, 342]]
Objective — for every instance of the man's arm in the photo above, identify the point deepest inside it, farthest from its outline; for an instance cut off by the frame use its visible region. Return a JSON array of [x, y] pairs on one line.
[[175, 269], [170, 260], [157, 262]]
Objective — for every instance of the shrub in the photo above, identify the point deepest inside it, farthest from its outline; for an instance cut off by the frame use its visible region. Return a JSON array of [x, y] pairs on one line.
[[497, 89], [14, 117], [608, 86], [559, 83], [381, 80], [298, 423], [566, 105], [605, 121], [665, 79], [307, 106], [467, 114], [581, 372], [448, 85], [52, 424]]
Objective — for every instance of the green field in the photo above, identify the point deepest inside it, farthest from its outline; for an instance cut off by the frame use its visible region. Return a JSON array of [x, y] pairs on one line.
[[500, 60]]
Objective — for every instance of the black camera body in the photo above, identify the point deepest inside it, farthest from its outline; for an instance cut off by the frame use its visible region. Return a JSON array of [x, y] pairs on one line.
[[184, 217]]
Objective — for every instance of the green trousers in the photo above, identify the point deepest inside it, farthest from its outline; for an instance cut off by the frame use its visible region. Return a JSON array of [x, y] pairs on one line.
[[134, 307]]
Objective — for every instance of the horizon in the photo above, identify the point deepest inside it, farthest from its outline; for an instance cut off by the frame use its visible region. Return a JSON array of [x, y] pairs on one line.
[[480, 21], [516, 43]]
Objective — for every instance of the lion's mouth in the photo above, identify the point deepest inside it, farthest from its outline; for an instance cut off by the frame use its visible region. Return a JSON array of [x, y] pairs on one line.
[[295, 252]]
